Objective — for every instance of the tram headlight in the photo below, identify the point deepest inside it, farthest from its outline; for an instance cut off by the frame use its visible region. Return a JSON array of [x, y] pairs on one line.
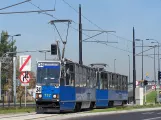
[[54, 96], [40, 95]]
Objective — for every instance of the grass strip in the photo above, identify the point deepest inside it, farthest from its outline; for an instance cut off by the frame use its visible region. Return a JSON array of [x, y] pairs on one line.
[[17, 110]]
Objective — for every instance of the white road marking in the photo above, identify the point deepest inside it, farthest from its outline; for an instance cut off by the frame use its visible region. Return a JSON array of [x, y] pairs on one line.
[[148, 113], [155, 118]]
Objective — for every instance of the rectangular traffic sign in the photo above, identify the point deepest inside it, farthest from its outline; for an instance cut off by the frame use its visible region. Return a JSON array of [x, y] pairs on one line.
[[25, 63], [24, 84]]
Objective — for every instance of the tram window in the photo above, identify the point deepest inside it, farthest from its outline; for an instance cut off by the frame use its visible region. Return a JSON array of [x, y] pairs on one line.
[[102, 75], [101, 80], [77, 76], [94, 79], [72, 81], [67, 79], [84, 77], [105, 81], [91, 78], [71, 68], [123, 83], [120, 82], [113, 81], [88, 78], [117, 82], [109, 81]]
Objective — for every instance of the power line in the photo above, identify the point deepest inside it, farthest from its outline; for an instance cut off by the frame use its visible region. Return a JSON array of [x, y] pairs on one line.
[[39, 11], [92, 22], [77, 29], [15, 4]]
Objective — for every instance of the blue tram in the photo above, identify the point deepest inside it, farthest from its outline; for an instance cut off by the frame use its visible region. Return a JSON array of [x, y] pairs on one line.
[[68, 86]]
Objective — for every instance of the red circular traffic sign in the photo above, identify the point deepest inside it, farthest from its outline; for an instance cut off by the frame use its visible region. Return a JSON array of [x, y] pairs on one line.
[[25, 78], [153, 87]]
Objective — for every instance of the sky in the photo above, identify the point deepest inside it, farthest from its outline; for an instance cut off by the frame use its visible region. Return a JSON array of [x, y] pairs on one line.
[[110, 15]]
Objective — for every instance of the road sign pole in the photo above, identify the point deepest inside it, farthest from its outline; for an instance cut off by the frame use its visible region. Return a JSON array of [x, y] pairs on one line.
[[25, 95], [14, 79], [158, 84], [0, 83], [158, 87], [145, 94]]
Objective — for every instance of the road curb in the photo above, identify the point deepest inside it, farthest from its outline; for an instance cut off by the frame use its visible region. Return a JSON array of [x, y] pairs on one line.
[[85, 114]]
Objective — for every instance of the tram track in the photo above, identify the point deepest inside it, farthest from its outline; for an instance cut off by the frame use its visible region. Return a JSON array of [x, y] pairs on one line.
[[32, 116]]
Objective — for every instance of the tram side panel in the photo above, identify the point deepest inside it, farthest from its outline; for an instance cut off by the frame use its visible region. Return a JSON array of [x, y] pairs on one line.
[[101, 91], [67, 98], [117, 93], [85, 96]]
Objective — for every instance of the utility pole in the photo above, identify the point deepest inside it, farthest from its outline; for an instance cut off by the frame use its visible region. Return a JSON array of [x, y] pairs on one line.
[[0, 82], [12, 71], [134, 69], [80, 36], [129, 68], [14, 79], [142, 62], [154, 70]]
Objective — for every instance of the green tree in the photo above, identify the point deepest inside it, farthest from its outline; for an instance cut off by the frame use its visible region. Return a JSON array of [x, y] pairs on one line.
[[6, 45]]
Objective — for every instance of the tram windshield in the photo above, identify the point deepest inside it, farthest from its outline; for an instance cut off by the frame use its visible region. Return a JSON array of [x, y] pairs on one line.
[[48, 73]]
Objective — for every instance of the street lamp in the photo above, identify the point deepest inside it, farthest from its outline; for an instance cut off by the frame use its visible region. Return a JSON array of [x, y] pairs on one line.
[[158, 54], [13, 94], [12, 39], [44, 51], [142, 56], [154, 66], [114, 66]]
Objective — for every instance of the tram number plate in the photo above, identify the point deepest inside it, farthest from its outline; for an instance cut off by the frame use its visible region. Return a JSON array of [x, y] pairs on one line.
[[38, 89]]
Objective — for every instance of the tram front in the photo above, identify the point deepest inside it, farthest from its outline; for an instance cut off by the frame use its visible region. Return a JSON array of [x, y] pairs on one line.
[[47, 86]]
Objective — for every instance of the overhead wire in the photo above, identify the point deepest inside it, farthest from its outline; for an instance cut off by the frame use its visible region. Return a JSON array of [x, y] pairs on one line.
[[15, 4], [39, 11], [78, 30], [101, 29], [92, 22]]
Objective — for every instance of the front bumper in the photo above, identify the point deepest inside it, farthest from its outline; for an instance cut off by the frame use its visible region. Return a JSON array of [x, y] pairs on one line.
[[47, 103]]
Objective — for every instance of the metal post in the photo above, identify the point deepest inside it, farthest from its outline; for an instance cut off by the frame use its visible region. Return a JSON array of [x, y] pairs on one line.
[[80, 36], [145, 94], [114, 66], [14, 79], [25, 95], [129, 68], [12, 94], [134, 69], [142, 61], [0, 82], [154, 69], [158, 83]]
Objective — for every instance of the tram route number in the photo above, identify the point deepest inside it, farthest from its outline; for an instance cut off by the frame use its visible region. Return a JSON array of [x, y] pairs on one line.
[[38, 89]]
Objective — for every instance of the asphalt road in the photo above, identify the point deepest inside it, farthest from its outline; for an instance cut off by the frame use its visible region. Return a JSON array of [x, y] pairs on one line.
[[150, 115]]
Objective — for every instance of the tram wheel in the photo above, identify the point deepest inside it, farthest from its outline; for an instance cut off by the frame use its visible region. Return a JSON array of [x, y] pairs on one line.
[[77, 107]]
